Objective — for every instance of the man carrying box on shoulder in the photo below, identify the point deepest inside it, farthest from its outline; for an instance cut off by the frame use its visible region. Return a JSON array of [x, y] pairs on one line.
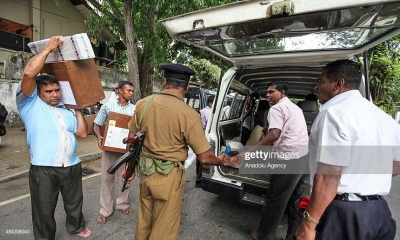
[[51, 130], [123, 106]]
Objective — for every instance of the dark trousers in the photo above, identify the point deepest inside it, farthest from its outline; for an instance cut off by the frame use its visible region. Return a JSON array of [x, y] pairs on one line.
[[357, 220], [198, 173], [284, 190], [45, 183], [245, 135]]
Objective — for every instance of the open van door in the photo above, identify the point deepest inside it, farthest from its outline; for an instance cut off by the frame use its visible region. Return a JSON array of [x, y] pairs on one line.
[[271, 40]]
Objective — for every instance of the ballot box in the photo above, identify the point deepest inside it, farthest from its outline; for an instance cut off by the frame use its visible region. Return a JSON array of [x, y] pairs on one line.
[[116, 129], [75, 47], [79, 81]]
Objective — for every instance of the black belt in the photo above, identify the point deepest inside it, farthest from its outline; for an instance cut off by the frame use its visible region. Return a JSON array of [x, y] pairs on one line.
[[357, 197]]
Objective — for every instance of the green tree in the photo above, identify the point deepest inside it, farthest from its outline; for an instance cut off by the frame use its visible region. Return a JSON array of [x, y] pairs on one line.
[[384, 74], [148, 44]]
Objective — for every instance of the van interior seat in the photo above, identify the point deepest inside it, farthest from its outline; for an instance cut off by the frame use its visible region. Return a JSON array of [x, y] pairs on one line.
[[309, 108], [263, 106], [255, 136]]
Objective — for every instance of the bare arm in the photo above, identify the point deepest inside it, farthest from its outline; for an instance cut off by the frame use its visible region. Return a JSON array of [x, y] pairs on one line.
[[209, 157], [97, 132], [82, 131], [35, 65], [326, 182], [270, 138]]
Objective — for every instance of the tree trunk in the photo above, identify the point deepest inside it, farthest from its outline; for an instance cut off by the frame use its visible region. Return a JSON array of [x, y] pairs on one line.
[[132, 50], [146, 66], [146, 71], [208, 82]]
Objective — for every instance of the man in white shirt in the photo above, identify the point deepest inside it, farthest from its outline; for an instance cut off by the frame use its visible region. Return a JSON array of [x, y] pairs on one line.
[[225, 112], [354, 150], [205, 112], [114, 95]]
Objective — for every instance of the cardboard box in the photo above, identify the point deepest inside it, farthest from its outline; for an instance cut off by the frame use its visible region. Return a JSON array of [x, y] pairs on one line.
[[75, 47], [116, 129], [89, 120], [79, 80]]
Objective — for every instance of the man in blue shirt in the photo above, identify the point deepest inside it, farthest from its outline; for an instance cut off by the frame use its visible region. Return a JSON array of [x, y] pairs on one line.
[[123, 106], [55, 167]]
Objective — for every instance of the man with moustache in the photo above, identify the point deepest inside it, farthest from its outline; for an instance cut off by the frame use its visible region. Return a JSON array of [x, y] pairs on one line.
[[287, 128], [354, 152], [123, 106], [51, 130]]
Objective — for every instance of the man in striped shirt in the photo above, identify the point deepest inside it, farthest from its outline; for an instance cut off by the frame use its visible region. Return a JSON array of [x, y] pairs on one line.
[[123, 106]]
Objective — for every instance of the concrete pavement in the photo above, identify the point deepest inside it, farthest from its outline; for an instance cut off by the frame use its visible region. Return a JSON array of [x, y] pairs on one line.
[[14, 153]]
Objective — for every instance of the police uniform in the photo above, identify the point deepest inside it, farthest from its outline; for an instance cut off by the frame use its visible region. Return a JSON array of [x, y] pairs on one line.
[[170, 125]]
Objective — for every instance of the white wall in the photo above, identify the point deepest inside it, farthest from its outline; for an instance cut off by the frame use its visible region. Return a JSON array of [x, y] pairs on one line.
[[63, 20], [17, 11]]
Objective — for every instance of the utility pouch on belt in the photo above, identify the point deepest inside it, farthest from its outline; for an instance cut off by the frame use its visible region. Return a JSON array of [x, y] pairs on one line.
[[146, 166], [149, 165]]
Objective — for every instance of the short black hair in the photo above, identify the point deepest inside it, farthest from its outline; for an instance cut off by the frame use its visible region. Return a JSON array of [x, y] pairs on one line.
[[44, 80], [229, 102], [279, 85], [349, 70], [210, 100], [312, 97], [123, 83], [176, 83]]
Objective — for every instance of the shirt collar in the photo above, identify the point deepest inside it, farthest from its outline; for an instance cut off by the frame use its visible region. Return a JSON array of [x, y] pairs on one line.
[[338, 98], [282, 100], [127, 104], [173, 93]]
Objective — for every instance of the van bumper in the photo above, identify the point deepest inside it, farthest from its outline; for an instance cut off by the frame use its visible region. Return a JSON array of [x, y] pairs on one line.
[[247, 194]]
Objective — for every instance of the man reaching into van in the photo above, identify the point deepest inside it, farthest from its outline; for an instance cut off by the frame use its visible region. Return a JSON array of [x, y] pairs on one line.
[[287, 127]]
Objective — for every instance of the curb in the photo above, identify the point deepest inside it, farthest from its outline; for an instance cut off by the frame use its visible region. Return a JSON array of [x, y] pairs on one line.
[[84, 158]]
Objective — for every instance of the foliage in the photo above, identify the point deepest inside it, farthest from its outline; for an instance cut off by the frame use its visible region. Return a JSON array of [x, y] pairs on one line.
[[121, 59], [384, 74], [151, 44], [206, 73], [2, 74]]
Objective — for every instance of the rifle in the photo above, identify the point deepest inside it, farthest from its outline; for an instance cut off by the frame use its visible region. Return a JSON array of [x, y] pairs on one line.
[[131, 158]]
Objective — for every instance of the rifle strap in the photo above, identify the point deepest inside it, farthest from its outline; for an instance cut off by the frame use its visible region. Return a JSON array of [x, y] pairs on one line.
[[146, 105]]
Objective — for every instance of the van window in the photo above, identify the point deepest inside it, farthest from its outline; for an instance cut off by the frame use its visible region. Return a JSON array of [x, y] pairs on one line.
[[233, 105], [193, 100]]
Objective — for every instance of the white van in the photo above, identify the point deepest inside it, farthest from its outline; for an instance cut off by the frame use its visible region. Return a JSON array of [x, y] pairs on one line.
[[276, 40]]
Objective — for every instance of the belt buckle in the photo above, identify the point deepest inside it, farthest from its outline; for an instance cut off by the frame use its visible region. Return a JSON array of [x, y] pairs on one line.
[[353, 197]]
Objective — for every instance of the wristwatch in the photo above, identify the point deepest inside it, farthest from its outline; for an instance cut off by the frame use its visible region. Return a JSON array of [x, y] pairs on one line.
[[306, 215]]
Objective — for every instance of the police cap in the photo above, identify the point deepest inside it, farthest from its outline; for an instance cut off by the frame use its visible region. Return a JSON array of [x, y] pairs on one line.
[[176, 70]]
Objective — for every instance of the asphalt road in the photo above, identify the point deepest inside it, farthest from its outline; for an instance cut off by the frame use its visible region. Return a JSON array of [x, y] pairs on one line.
[[204, 215]]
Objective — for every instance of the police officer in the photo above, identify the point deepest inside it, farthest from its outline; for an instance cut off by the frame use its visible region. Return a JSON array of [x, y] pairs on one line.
[[169, 126]]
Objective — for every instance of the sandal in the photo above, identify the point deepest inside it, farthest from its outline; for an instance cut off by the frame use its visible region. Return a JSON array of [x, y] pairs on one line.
[[101, 218], [86, 232], [128, 210]]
